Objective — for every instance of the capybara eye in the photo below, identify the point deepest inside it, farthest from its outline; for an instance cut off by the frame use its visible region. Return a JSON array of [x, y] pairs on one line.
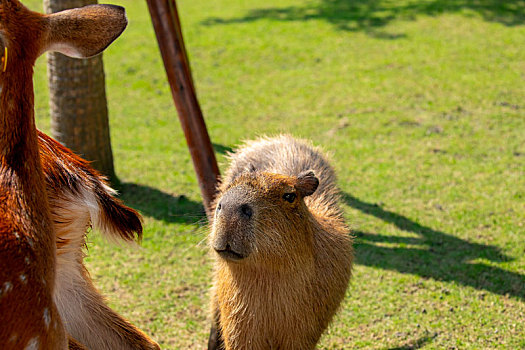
[[289, 197], [219, 207]]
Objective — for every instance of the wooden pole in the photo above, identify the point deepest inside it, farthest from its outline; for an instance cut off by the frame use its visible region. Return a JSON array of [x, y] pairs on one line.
[[169, 36]]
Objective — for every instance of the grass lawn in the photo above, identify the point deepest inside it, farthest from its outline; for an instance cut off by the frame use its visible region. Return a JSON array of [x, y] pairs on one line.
[[420, 102]]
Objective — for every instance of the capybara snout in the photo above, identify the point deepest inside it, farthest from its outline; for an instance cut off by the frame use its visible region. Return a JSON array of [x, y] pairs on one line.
[[235, 206], [233, 235]]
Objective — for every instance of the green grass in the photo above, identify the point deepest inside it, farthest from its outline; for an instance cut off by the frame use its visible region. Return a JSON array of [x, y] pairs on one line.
[[421, 103]]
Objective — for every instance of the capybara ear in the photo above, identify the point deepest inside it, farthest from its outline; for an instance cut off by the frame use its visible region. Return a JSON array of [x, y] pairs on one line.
[[307, 183], [247, 169]]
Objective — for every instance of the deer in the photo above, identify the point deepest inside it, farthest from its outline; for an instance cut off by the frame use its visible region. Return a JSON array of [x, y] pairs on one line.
[[80, 197], [28, 255]]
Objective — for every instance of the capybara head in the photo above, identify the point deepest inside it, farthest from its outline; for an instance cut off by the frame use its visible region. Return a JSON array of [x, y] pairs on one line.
[[262, 216]]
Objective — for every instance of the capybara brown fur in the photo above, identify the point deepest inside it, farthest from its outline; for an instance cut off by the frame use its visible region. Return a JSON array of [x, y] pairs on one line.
[[283, 253]]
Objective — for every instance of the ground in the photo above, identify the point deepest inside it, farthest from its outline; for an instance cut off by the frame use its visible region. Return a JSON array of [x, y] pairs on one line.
[[421, 104]]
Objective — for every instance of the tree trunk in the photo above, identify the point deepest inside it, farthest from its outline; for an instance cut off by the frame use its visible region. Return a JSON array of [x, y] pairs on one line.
[[79, 113]]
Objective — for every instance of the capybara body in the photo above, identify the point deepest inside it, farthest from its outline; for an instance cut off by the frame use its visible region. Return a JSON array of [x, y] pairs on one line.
[[283, 252]]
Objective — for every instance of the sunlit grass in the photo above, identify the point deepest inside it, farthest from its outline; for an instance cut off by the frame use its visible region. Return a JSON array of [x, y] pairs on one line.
[[421, 104]]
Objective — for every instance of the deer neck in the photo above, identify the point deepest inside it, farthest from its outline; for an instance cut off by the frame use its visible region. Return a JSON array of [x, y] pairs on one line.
[[21, 175], [17, 122]]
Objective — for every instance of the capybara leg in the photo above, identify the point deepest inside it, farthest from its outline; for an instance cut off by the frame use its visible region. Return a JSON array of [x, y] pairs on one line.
[[215, 341]]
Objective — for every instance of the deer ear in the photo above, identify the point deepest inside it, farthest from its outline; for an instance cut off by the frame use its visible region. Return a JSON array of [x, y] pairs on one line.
[[307, 183], [85, 31]]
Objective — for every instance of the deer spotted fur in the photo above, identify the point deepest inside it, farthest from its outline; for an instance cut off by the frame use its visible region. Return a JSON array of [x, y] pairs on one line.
[[31, 314], [283, 252], [79, 198]]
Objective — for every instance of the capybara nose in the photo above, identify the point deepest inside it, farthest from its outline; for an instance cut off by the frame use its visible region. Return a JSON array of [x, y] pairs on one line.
[[246, 211], [234, 205]]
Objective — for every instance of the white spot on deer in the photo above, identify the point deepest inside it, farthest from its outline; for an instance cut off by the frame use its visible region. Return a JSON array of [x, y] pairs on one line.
[[47, 317], [33, 344], [31, 243], [23, 278], [16, 235], [28, 261], [6, 287]]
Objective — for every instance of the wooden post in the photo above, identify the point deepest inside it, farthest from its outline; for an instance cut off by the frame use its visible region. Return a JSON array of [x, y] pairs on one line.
[[169, 36]]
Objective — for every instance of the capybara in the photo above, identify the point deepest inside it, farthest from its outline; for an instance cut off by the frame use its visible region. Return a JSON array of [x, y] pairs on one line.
[[283, 253]]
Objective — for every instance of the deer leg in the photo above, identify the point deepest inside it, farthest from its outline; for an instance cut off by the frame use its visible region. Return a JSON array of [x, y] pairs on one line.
[[82, 308], [90, 321]]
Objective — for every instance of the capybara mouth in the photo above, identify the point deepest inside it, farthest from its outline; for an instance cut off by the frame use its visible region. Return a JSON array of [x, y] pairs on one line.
[[229, 254]]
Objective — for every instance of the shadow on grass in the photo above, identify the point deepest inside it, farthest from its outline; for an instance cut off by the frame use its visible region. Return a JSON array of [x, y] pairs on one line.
[[417, 344], [369, 15], [160, 205], [447, 258], [222, 149]]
